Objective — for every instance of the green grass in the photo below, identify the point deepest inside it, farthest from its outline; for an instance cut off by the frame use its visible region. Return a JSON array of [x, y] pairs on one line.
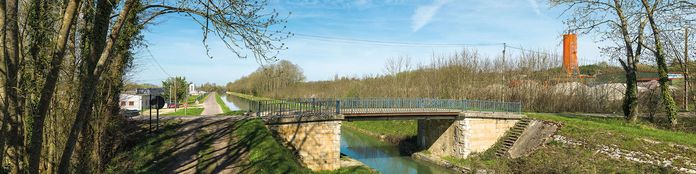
[[139, 157], [235, 112], [593, 128], [185, 112], [556, 157], [191, 99], [260, 152], [222, 104], [402, 128], [271, 157]]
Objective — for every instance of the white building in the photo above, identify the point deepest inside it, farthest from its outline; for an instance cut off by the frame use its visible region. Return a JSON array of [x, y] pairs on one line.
[[192, 89], [130, 102]]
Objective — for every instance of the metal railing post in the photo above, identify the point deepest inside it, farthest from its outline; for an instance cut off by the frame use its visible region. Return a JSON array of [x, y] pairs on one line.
[[338, 107], [258, 108]]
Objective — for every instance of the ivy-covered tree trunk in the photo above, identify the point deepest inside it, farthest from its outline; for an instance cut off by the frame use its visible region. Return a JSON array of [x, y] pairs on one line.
[[630, 97], [667, 99], [95, 66], [12, 73]]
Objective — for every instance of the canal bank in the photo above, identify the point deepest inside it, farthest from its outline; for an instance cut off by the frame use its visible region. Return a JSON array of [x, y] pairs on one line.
[[382, 156]]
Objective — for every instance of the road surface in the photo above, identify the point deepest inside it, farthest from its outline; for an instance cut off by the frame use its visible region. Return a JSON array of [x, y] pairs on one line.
[[211, 106]]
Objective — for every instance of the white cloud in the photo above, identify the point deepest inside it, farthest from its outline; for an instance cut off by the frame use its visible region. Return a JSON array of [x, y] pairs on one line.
[[535, 6], [425, 13]]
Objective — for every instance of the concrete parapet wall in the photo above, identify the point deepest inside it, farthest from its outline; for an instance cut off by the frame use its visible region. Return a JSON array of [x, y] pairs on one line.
[[315, 140]]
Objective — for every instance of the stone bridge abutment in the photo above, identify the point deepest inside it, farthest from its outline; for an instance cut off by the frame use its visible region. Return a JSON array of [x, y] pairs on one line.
[[470, 132], [316, 139]]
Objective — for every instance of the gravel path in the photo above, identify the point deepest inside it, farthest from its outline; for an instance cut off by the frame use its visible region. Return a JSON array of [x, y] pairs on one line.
[[211, 106]]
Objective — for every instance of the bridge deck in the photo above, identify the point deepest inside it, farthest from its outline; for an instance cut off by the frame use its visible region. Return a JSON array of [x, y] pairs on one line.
[[398, 113]]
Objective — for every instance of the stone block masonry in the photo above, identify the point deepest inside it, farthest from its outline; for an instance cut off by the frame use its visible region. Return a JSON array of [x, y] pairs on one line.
[[315, 140], [471, 132]]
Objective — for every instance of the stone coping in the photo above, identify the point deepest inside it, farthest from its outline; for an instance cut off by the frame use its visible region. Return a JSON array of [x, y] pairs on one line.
[[491, 115], [303, 118]]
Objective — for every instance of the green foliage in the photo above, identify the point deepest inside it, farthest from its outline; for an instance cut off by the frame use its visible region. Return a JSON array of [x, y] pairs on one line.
[[177, 86], [201, 98], [212, 87], [402, 128], [132, 86], [282, 74], [222, 104]]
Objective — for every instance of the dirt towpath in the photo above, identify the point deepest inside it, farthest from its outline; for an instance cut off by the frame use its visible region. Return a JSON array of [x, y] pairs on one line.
[[211, 106]]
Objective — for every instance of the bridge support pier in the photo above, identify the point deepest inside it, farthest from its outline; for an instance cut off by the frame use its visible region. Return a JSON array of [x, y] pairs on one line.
[[315, 140], [471, 132]]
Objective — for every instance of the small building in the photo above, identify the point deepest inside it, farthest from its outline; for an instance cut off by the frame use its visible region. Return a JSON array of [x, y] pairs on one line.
[[192, 89], [130, 102]]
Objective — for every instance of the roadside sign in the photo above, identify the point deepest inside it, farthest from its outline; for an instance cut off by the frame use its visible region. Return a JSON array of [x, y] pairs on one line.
[[157, 102]]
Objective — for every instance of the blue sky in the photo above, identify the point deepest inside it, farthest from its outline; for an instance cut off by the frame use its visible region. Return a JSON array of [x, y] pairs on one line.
[[176, 41]]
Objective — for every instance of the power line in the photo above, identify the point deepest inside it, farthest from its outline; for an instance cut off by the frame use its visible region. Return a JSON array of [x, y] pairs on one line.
[[391, 43], [528, 50], [156, 62]]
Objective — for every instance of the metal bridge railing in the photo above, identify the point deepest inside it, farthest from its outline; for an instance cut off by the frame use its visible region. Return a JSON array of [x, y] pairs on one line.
[[319, 106]]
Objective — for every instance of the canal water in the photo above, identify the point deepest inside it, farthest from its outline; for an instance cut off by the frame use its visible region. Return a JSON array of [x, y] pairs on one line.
[[230, 102], [381, 156]]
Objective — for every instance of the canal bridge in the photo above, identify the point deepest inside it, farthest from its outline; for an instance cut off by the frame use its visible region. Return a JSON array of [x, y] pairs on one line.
[[311, 127]]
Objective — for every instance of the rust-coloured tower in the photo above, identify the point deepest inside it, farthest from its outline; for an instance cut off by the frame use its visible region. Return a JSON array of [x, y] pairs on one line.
[[570, 54]]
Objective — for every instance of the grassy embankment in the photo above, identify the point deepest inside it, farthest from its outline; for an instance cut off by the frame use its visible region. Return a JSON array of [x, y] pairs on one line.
[[222, 104], [193, 98], [185, 112], [225, 109], [256, 152], [594, 133]]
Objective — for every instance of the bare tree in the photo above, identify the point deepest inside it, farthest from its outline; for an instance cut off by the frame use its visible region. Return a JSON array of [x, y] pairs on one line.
[[618, 21], [662, 16]]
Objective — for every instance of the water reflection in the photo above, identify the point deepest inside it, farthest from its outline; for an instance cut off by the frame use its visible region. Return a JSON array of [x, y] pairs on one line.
[[382, 156], [235, 103]]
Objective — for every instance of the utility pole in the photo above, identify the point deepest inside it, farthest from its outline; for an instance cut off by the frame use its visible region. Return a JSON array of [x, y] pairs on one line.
[[686, 69], [176, 104], [504, 46], [502, 95]]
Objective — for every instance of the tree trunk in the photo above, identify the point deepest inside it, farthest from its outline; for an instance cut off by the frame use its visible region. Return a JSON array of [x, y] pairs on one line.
[[35, 145], [3, 70], [11, 99], [89, 81], [630, 98], [629, 66], [667, 99]]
